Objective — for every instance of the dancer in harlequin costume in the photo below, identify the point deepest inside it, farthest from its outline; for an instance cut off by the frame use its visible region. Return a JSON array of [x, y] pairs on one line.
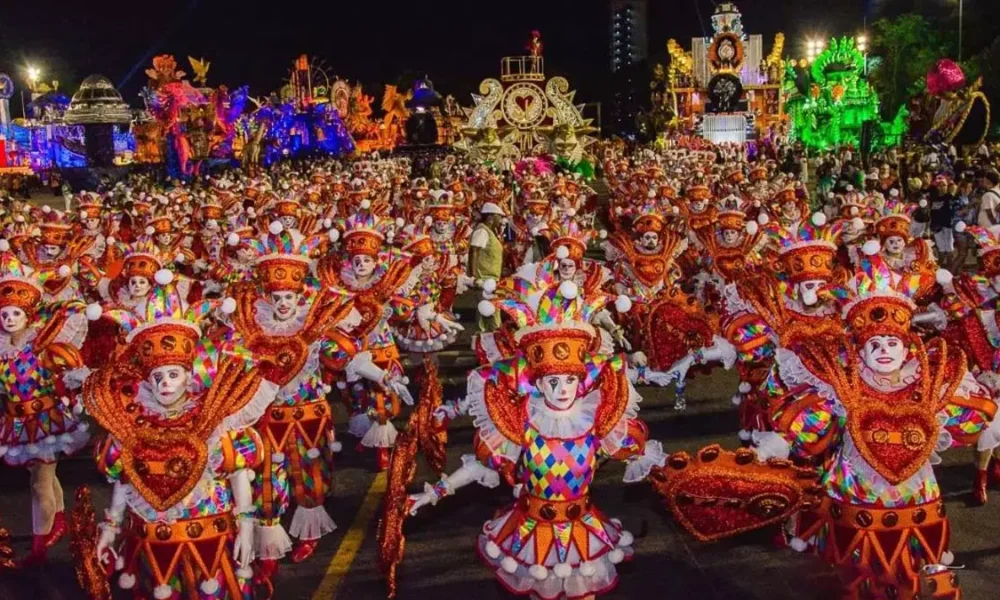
[[379, 280], [971, 302], [286, 320], [900, 249], [54, 254], [180, 451], [427, 332], [39, 362], [872, 397], [544, 417], [450, 236]]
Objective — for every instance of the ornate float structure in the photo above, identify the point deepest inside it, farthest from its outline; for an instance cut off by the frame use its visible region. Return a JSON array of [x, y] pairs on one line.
[[524, 113], [725, 88]]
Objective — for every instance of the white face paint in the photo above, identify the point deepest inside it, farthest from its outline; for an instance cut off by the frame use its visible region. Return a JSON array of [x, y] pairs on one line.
[[169, 384], [884, 354], [289, 222], [894, 244], [164, 239], [567, 269], [995, 283], [363, 265], [649, 240], [13, 319], [559, 391], [244, 255], [51, 250], [92, 223], [284, 304], [730, 237], [440, 226], [809, 291], [138, 286], [790, 210], [698, 205]]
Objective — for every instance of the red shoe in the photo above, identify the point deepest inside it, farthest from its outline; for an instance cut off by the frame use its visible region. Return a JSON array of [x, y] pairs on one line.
[[263, 574], [994, 469], [979, 488], [39, 552], [382, 459], [58, 530], [360, 448], [303, 550]]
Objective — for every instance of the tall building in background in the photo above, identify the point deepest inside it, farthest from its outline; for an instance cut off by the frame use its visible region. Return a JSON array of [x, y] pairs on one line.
[[629, 49]]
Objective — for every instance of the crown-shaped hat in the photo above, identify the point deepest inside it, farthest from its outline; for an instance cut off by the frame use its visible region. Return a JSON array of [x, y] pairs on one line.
[[285, 259], [569, 235], [988, 240], [365, 230], [19, 285], [894, 219], [879, 300], [809, 251], [53, 226]]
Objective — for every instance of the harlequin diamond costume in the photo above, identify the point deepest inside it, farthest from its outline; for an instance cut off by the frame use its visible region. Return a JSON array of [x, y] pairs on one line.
[[39, 361], [544, 417], [876, 401], [180, 451], [289, 321]]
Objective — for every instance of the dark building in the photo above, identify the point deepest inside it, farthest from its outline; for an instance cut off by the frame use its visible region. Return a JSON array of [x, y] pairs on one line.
[[629, 49]]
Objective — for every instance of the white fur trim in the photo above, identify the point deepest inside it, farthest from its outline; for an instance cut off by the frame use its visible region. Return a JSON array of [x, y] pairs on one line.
[[311, 523]]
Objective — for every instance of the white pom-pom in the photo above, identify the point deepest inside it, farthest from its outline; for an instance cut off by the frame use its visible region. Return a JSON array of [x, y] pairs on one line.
[[327, 223], [275, 227], [922, 203], [763, 219], [960, 226], [278, 457], [893, 193], [603, 234], [4, 246], [623, 303], [588, 569], [744, 434], [126, 581], [94, 312], [64, 271], [251, 212], [508, 564], [944, 276], [326, 388], [616, 556], [400, 222], [619, 210], [489, 285], [150, 230], [209, 586], [871, 247], [538, 572], [752, 227], [625, 540], [570, 212], [562, 570], [233, 239], [19, 219], [366, 204], [110, 241], [651, 194], [744, 387], [341, 385], [180, 258], [163, 592], [334, 235], [46, 209], [798, 544], [313, 453], [428, 220], [228, 306], [163, 277], [562, 252], [857, 223], [736, 399], [486, 308], [854, 210], [83, 214], [819, 219], [390, 238], [947, 558], [674, 210], [850, 188], [568, 290], [404, 380], [756, 203], [336, 447], [78, 410], [244, 573]]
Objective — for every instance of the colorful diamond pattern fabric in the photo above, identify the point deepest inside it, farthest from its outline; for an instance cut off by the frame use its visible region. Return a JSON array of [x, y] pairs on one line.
[[558, 469]]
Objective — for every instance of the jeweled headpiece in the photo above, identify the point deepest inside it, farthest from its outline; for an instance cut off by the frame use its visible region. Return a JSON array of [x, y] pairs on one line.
[[879, 299], [807, 252]]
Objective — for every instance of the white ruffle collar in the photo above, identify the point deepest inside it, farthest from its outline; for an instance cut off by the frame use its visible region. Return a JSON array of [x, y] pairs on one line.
[[7, 346], [567, 424], [909, 374], [272, 326]]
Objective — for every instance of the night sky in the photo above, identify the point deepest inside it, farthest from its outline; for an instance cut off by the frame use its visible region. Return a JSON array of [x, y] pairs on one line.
[[457, 43]]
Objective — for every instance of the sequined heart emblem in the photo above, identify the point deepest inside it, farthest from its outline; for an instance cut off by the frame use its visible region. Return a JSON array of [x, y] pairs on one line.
[[164, 465], [896, 440]]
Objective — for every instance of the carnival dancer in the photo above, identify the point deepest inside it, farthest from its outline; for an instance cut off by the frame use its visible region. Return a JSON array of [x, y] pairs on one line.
[[39, 362], [450, 236], [379, 279], [486, 254], [566, 408], [879, 402], [54, 254], [180, 451]]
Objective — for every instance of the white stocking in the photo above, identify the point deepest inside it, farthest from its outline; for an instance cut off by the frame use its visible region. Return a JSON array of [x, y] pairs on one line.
[[43, 501]]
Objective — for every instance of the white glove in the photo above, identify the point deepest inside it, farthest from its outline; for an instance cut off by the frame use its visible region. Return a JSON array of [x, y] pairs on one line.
[[397, 386], [448, 324], [465, 283], [769, 444], [75, 377], [105, 542], [659, 378], [451, 410], [243, 544], [638, 359], [425, 314], [422, 499], [680, 368]]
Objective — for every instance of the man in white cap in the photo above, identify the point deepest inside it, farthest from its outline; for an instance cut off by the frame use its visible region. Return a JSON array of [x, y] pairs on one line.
[[486, 254]]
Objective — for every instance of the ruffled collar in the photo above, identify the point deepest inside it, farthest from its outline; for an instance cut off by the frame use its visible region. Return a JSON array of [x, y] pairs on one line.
[[351, 281], [272, 326], [144, 397], [7, 346], [908, 375], [565, 424]]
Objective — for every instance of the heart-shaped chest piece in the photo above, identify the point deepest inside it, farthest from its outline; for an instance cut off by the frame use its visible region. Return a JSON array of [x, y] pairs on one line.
[[895, 439], [165, 465], [288, 353]]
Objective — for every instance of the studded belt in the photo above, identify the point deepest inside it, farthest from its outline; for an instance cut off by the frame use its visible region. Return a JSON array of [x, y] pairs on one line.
[[187, 530], [556, 511], [881, 519], [298, 412], [30, 408]]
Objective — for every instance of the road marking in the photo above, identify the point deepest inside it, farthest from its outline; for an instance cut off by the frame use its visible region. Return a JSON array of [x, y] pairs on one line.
[[341, 562]]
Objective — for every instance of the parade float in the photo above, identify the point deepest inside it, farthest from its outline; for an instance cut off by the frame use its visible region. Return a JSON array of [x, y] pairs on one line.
[[952, 111], [831, 103], [524, 113], [724, 89]]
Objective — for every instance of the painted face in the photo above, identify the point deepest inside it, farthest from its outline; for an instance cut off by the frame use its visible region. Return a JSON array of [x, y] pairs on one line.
[[244, 255], [809, 291], [429, 263], [363, 265], [13, 319], [790, 210], [169, 384], [284, 304], [649, 240], [559, 391], [567, 269], [138, 286], [164, 239], [92, 223], [440, 226], [730, 237], [884, 354], [211, 225], [289, 222], [894, 244], [995, 282], [698, 205], [51, 250]]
